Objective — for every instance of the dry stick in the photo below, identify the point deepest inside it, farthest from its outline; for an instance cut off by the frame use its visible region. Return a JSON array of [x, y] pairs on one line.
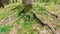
[[43, 22]]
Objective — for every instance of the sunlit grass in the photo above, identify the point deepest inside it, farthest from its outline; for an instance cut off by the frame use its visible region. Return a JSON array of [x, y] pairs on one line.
[[24, 22]]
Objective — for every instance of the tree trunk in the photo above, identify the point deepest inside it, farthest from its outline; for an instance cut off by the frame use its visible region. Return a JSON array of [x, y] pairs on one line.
[[27, 5], [1, 4], [16, 1], [7, 2]]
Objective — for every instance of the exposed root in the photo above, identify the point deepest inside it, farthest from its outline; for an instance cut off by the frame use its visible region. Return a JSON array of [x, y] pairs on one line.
[[38, 20], [52, 14], [44, 23], [22, 12], [49, 12]]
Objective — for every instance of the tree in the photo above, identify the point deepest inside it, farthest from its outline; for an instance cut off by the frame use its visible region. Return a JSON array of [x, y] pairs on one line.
[[1, 3], [16, 0], [28, 7], [7, 1]]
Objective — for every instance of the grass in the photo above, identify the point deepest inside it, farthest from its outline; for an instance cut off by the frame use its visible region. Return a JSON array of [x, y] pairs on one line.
[[25, 23], [4, 28]]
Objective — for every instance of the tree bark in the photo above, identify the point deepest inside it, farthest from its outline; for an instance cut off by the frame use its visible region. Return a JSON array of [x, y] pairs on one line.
[[1, 4], [16, 1], [27, 5]]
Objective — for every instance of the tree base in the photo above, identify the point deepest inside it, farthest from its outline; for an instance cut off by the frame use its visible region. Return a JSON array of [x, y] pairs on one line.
[[41, 22]]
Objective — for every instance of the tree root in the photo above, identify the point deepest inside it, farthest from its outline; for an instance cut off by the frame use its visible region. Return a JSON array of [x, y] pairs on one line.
[[48, 12], [41, 21], [44, 23], [52, 14]]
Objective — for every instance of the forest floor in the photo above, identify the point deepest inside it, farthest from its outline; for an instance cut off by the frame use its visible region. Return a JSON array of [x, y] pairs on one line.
[[12, 23]]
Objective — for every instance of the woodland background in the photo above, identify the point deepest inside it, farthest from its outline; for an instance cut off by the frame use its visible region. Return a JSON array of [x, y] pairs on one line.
[[29, 16]]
